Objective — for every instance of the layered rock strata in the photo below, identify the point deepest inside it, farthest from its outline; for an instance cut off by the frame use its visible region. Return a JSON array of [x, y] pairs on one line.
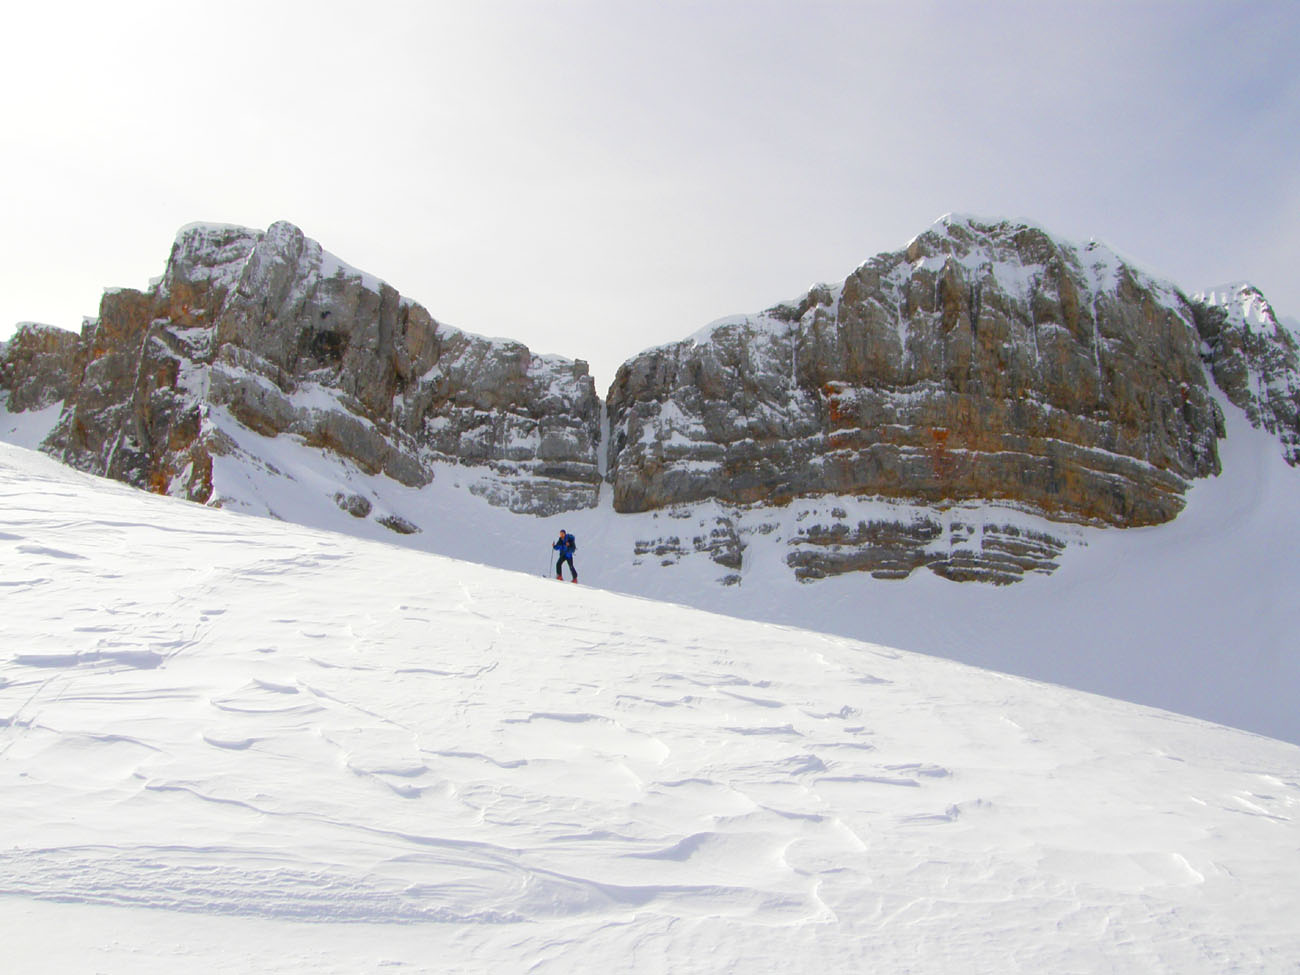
[[983, 361], [277, 334], [980, 551], [822, 539]]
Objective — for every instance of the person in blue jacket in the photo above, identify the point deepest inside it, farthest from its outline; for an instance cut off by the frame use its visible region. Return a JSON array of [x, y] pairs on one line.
[[565, 545]]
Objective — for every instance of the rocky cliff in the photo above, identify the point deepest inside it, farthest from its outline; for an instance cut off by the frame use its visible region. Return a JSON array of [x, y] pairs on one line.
[[954, 405], [984, 361], [268, 332], [38, 367]]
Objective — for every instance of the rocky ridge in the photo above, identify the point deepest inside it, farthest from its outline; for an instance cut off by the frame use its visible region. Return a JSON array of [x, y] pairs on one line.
[[955, 405], [267, 332], [984, 361]]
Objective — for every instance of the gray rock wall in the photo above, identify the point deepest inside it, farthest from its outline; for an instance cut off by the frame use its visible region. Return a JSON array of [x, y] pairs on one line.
[[981, 362], [291, 341]]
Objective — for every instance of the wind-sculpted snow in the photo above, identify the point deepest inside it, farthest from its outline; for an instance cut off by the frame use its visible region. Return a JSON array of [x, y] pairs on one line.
[[216, 729]]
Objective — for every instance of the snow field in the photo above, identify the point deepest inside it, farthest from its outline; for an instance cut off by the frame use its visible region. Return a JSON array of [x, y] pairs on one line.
[[1193, 616], [233, 741]]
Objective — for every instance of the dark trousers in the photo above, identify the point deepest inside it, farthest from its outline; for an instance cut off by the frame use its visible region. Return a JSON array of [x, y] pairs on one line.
[[565, 557]]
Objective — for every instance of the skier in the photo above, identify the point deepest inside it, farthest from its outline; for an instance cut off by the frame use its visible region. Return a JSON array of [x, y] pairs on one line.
[[566, 545]]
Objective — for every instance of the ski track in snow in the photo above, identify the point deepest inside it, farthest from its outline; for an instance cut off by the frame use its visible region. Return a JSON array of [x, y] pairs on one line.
[[245, 726]]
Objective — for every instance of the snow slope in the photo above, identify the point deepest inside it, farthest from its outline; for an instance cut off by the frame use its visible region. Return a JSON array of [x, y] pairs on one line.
[[235, 744], [1196, 616], [28, 429]]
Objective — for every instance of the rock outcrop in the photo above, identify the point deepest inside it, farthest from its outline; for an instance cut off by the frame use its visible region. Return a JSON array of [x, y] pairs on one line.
[[984, 361], [963, 551], [1255, 360], [274, 333], [38, 367]]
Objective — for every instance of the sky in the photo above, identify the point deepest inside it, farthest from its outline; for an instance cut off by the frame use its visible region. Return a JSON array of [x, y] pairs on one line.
[[594, 178]]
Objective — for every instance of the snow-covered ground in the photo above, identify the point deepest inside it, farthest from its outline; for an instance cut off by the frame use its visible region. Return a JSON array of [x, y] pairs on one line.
[[235, 744], [1196, 616], [30, 428]]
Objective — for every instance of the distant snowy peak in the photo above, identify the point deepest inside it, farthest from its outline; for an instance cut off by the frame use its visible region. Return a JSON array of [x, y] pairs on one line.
[[1017, 255], [214, 253], [219, 254], [1255, 358], [1248, 308], [1016, 252]]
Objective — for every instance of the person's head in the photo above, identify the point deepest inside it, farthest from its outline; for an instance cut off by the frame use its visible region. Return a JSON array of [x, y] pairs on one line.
[[561, 532]]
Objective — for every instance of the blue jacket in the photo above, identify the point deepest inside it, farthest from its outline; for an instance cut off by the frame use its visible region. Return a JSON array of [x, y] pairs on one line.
[[564, 545]]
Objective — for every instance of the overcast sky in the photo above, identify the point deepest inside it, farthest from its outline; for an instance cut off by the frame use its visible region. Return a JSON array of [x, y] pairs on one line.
[[593, 178]]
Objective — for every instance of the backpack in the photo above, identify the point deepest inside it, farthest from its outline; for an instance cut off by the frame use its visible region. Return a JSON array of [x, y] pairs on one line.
[[572, 543]]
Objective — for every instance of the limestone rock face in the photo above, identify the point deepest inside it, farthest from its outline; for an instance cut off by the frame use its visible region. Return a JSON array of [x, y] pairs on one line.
[[1255, 360], [269, 330], [38, 366], [984, 361]]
